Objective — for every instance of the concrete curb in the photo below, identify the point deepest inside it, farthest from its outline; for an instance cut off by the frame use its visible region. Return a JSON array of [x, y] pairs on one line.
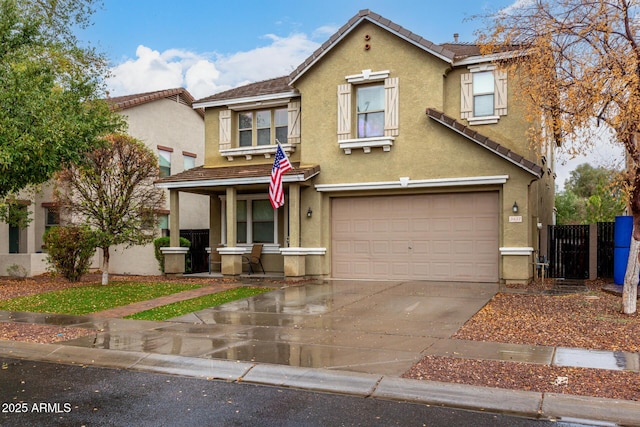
[[550, 406]]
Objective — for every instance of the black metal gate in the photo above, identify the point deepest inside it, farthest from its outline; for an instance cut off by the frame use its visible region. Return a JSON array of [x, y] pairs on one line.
[[197, 253], [605, 249], [569, 251]]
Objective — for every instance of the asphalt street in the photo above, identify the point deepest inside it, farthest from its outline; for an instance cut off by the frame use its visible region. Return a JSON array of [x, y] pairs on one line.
[[40, 393]]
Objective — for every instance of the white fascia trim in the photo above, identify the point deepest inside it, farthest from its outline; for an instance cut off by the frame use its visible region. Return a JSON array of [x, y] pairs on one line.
[[409, 183], [232, 181], [478, 59], [303, 251], [253, 101], [368, 76], [516, 251]]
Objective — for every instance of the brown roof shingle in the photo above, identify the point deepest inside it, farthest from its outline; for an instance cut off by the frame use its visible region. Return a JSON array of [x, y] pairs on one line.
[[485, 142], [367, 14], [265, 87], [128, 101], [263, 170]]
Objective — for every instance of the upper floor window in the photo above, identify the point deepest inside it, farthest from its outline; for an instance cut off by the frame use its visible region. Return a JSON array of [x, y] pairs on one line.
[[483, 95], [164, 160], [370, 110], [262, 127], [189, 160]]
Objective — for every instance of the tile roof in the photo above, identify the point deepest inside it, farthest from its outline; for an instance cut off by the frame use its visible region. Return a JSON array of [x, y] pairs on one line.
[[128, 101], [450, 52], [265, 87], [205, 176], [485, 142], [368, 15]]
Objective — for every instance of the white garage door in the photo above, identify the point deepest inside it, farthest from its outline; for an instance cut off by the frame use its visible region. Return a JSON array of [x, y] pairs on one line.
[[431, 236]]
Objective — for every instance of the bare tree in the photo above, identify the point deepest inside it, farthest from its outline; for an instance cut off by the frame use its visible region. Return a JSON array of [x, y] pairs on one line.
[[112, 192], [580, 69]]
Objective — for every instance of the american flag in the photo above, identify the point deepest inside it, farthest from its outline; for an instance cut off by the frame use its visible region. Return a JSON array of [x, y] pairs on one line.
[[281, 164]]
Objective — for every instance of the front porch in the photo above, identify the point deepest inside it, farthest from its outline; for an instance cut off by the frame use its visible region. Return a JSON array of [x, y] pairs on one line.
[[240, 215]]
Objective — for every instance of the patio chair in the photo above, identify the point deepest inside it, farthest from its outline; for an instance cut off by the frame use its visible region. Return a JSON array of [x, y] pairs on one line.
[[254, 258], [215, 258]]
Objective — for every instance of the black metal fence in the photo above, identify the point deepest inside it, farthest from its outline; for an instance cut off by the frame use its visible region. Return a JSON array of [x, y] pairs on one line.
[[605, 248], [197, 253], [569, 250]]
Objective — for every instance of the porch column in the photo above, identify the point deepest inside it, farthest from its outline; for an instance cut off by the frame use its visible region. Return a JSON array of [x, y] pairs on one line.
[[294, 261], [174, 255], [231, 255]]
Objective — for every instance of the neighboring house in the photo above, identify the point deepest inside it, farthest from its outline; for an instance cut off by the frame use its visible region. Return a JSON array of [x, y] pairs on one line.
[[409, 158], [169, 125]]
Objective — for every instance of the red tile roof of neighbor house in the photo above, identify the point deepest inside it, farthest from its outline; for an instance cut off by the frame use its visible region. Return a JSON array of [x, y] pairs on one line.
[[263, 170], [448, 51], [485, 142], [178, 94]]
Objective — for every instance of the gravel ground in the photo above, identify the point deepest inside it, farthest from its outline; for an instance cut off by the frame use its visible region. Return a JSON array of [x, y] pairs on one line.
[[591, 320]]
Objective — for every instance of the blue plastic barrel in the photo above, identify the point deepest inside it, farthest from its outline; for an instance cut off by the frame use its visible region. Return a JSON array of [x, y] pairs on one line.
[[621, 242], [622, 231], [620, 259]]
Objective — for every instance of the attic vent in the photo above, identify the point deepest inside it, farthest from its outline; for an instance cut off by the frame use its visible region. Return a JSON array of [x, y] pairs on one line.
[[178, 98]]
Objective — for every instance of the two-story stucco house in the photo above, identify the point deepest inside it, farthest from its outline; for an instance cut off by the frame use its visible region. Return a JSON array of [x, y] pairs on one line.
[[411, 161], [169, 125]]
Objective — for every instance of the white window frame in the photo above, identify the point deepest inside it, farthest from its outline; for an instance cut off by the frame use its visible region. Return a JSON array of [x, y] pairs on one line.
[[229, 126], [268, 247], [499, 95], [346, 96]]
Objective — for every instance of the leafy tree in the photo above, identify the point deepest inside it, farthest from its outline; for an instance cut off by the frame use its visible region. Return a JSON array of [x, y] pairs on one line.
[[50, 108], [584, 179], [69, 250], [569, 208], [591, 195], [579, 67], [111, 190]]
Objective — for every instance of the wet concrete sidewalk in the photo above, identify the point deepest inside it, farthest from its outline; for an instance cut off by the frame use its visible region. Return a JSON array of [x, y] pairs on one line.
[[335, 331]]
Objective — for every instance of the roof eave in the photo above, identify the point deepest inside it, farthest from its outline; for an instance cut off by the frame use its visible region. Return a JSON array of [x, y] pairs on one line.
[[247, 99], [226, 182], [522, 163], [296, 75]]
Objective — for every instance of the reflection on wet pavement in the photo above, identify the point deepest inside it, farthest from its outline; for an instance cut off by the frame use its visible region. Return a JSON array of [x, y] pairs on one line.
[[373, 327]]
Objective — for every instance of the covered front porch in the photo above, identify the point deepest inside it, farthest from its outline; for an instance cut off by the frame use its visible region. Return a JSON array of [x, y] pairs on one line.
[[240, 216]]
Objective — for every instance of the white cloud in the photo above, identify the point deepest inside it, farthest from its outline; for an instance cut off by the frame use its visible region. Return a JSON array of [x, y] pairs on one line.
[[205, 74]]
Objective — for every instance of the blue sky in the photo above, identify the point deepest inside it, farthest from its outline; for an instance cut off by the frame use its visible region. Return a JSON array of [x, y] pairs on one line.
[[208, 46]]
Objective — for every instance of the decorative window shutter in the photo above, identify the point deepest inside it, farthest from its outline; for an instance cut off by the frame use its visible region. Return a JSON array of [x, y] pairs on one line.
[[500, 78], [293, 136], [391, 127], [466, 96], [344, 112], [225, 129]]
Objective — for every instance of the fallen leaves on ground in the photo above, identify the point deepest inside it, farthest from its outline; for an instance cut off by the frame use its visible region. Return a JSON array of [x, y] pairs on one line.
[[588, 320]]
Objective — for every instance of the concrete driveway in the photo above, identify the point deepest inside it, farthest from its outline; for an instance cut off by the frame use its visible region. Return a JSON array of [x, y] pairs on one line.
[[360, 326]]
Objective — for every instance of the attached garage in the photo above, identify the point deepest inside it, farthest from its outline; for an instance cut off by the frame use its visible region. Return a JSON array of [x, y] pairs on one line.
[[452, 236]]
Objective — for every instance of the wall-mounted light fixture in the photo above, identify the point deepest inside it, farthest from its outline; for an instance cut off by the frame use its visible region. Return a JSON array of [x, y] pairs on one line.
[[309, 212], [514, 208]]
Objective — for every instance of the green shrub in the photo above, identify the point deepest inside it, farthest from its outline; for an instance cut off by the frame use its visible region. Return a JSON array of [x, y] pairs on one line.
[[163, 242], [70, 250]]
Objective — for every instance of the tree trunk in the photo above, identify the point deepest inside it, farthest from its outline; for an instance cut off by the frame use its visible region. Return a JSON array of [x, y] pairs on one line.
[[105, 265], [630, 288]]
